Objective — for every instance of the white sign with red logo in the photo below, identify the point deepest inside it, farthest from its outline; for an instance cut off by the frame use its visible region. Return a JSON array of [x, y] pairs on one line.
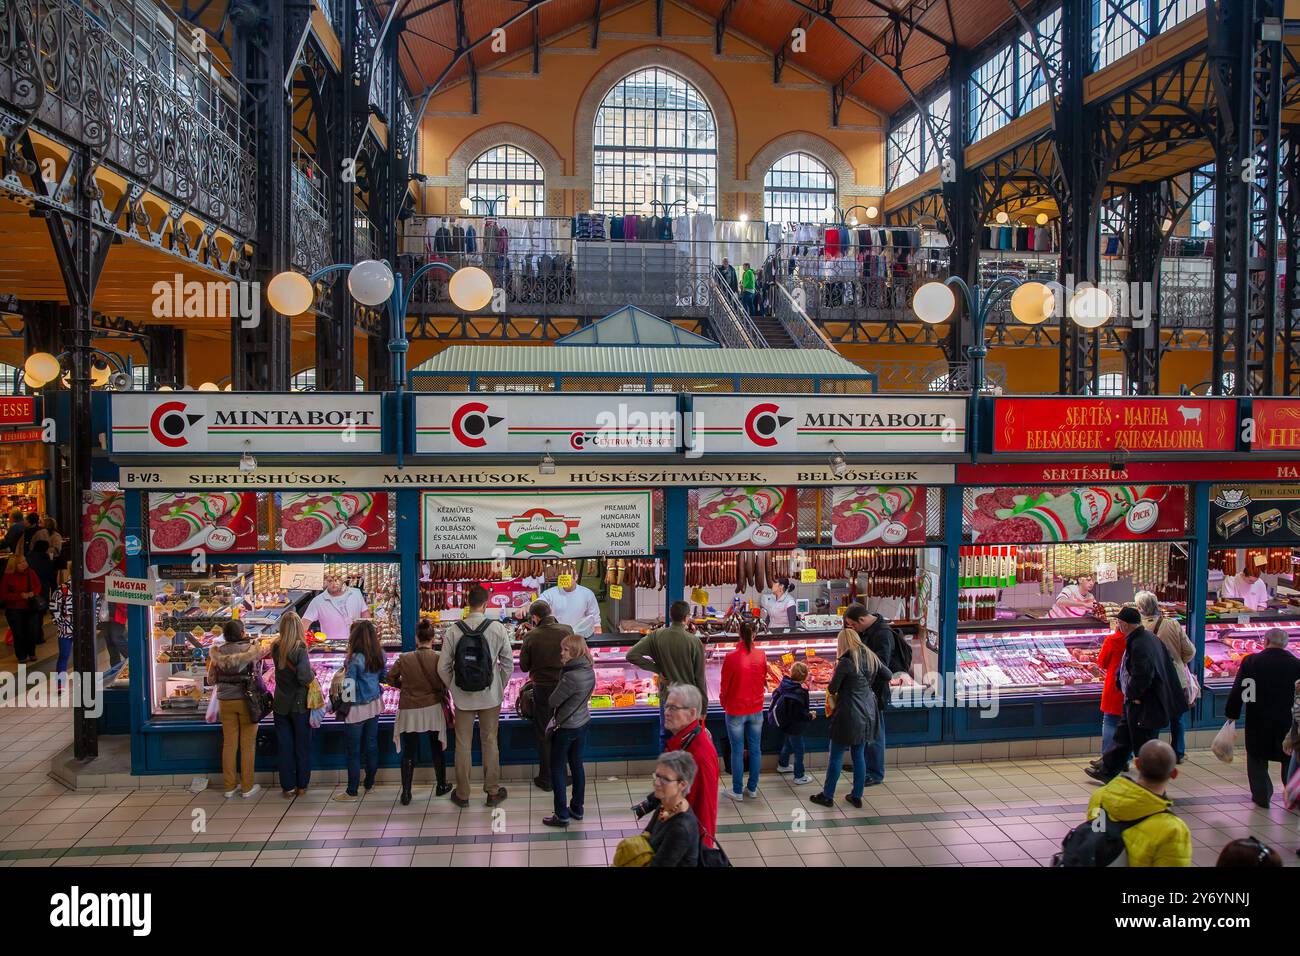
[[535, 423], [826, 425], [188, 422], [124, 590]]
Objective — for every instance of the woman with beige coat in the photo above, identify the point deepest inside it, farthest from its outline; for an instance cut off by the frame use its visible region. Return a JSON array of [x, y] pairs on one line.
[[1174, 637]]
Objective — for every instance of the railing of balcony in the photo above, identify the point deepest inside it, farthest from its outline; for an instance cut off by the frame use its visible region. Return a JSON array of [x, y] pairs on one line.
[[797, 323], [309, 207], [120, 76], [731, 324]]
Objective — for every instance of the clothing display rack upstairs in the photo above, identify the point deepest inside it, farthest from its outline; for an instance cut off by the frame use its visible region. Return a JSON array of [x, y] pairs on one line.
[[1015, 237]]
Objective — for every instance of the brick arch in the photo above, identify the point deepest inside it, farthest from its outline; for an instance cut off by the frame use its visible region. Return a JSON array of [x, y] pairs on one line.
[[694, 72], [813, 145], [506, 134]]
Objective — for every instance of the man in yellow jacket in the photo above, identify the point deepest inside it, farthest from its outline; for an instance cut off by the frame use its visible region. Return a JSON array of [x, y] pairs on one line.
[[1161, 839]]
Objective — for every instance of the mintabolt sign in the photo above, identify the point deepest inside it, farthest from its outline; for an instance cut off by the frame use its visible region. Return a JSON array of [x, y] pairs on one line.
[[1151, 425], [689, 475], [822, 424], [590, 424], [571, 524], [189, 422]]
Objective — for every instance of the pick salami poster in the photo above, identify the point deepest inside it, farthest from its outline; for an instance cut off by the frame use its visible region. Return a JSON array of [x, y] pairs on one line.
[[748, 518], [220, 521], [878, 514], [103, 519], [1054, 514], [334, 522]]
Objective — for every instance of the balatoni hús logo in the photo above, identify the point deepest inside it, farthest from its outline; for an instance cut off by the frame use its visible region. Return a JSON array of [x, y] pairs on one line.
[[538, 531]]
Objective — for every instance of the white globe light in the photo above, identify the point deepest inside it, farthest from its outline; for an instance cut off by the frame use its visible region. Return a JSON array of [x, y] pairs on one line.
[[466, 203], [744, 217], [692, 204], [934, 302], [371, 282], [514, 202], [41, 368], [230, 387], [30, 382], [853, 220], [470, 288], [1204, 227], [872, 212], [165, 388], [1003, 218], [290, 293], [1032, 303], [1041, 219], [208, 387], [1091, 307]]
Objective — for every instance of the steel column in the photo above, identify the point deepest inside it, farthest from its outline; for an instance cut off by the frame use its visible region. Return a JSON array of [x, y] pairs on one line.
[[1291, 304], [958, 198], [165, 345], [1142, 348]]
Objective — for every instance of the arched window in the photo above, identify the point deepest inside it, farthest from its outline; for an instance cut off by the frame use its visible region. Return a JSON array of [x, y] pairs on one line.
[[305, 381], [506, 171], [1112, 383], [10, 379], [799, 188], [655, 140]]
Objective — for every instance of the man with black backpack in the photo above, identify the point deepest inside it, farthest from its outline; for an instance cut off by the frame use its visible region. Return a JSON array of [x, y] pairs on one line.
[[1130, 822], [896, 654], [476, 665]]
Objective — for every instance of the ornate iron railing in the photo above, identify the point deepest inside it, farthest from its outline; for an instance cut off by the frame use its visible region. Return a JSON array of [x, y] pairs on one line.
[[118, 76], [797, 323], [309, 214], [731, 324]]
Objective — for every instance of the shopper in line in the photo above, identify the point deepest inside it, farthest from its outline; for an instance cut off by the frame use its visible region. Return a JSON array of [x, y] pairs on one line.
[[20, 591], [570, 705], [791, 714], [421, 708], [62, 613], [15, 532], [30, 530], [1248, 853], [230, 667], [1152, 695], [684, 712], [293, 675], [854, 715], [1158, 838], [40, 561], [875, 632], [744, 677], [676, 655], [1181, 649], [539, 658], [674, 830], [476, 663], [1109, 658], [361, 684], [51, 531], [1272, 674]]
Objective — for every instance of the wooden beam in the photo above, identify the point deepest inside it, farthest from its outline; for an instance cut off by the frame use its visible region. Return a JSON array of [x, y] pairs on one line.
[[537, 42]]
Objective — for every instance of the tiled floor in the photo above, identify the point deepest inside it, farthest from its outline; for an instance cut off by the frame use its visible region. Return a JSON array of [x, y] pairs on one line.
[[1004, 813]]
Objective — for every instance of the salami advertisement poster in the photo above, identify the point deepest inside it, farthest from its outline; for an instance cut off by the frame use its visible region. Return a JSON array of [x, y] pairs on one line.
[[1103, 425], [566, 524], [1050, 515], [877, 514], [1243, 516], [334, 522], [103, 518], [748, 518], [221, 521]]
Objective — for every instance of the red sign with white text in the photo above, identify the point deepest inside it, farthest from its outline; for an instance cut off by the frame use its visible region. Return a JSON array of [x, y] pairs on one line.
[[1277, 424], [1146, 425], [1007, 473]]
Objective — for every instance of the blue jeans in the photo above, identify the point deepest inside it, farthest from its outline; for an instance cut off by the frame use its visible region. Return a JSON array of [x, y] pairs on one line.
[[792, 744], [293, 740], [566, 748], [876, 754], [1176, 734], [1108, 724], [745, 732], [859, 768], [365, 732], [65, 655]]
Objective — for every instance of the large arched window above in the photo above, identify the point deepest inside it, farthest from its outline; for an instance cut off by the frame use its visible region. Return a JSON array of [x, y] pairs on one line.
[[655, 141], [506, 171], [799, 188]]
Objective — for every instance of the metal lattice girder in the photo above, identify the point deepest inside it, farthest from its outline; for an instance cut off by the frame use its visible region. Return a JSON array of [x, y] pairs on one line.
[[888, 47], [1144, 216], [1290, 216], [804, 23]]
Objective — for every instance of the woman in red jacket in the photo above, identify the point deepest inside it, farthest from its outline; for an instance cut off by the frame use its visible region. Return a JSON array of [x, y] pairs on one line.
[[744, 673], [18, 587], [1112, 698]]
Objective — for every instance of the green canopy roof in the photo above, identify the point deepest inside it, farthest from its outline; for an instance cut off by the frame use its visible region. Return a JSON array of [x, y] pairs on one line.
[[632, 326]]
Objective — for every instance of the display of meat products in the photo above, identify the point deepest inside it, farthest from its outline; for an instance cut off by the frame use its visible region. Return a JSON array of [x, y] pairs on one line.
[[174, 523]]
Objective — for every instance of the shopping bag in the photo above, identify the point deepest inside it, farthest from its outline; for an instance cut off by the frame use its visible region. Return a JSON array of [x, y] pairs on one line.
[[214, 709], [1224, 741], [1193, 686], [315, 699], [315, 718]]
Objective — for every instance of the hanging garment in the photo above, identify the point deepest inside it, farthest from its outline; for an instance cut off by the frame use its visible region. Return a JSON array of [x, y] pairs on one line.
[[629, 228]]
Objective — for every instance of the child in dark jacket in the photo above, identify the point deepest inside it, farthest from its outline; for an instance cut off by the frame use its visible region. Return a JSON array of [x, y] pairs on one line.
[[789, 713]]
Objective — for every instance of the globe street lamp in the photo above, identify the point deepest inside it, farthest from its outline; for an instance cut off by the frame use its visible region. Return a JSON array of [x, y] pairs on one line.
[[1032, 303], [512, 203], [106, 370], [372, 283]]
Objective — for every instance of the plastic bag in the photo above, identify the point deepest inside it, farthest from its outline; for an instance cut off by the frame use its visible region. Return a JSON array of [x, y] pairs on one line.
[[1224, 741], [214, 709], [315, 717], [1193, 686]]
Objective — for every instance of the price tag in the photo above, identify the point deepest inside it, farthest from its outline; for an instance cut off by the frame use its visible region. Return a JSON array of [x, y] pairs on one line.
[[841, 609], [808, 575], [532, 597], [787, 658], [564, 581], [1261, 560], [616, 592], [1107, 572], [505, 574], [699, 596], [809, 653]]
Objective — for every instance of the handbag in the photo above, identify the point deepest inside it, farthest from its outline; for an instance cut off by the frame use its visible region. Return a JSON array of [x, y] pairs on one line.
[[259, 699], [831, 700], [315, 698], [338, 704], [524, 702], [1193, 687], [713, 856]]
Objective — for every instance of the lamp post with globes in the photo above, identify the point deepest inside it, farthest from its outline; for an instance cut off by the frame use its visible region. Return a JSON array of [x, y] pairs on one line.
[[1031, 303], [372, 283], [512, 203], [844, 217]]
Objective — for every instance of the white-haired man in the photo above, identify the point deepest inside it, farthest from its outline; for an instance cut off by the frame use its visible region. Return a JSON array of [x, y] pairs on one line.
[[1271, 674]]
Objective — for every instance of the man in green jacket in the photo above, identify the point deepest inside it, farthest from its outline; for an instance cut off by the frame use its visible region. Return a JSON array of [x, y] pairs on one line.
[[675, 654], [748, 290]]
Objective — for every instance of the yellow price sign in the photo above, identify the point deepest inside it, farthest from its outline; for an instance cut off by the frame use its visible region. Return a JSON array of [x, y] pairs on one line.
[[616, 592], [787, 658], [564, 581], [808, 576], [841, 609], [1260, 560], [809, 653], [700, 596]]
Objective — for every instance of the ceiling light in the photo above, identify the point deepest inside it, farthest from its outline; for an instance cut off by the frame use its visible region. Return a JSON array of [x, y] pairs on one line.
[[547, 465], [934, 302], [872, 212], [466, 203], [1041, 219], [1003, 218], [247, 463]]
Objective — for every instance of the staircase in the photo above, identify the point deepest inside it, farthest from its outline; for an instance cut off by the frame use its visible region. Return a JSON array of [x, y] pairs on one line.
[[774, 332]]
